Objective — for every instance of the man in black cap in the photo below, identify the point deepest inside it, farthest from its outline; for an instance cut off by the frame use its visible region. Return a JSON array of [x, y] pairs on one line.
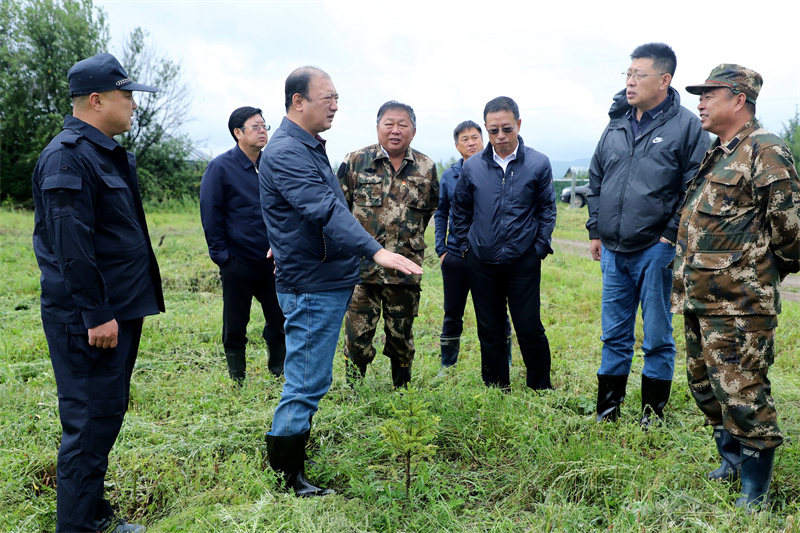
[[99, 279], [738, 237]]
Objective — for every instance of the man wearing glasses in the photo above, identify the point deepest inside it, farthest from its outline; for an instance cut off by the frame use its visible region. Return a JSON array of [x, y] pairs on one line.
[[230, 209], [503, 214], [316, 242], [651, 147]]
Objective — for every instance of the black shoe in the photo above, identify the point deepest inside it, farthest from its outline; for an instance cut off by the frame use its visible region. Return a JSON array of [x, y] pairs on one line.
[[730, 451], [287, 457], [655, 395], [401, 375], [277, 355], [114, 524], [610, 395], [237, 365], [755, 470]]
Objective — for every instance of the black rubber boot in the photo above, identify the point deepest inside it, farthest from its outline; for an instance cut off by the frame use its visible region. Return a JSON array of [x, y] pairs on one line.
[[450, 349], [730, 450], [237, 364], [655, 395], [287, 457], [610, 395], [277, 355], [401, 375], [755, 469]]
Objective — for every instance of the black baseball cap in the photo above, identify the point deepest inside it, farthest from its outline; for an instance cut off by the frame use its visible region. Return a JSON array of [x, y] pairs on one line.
[[99, 74]]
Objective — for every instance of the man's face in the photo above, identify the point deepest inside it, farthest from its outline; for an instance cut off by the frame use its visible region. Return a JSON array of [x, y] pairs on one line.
[[645, 86], [469, 143], [253, 134], [323, 102], [716, 109], [503, 131], [118, 108], [395, 132]]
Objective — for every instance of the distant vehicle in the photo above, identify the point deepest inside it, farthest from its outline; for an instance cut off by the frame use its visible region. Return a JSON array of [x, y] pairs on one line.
[[581, 192]]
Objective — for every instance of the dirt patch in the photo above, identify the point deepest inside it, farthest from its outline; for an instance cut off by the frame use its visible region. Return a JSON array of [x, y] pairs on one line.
[[790, 287]]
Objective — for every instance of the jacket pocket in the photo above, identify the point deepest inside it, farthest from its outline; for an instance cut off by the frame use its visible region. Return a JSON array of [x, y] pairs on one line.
[[715, 260], [368, 191], [724, 196], [115, 198], [417, 193]]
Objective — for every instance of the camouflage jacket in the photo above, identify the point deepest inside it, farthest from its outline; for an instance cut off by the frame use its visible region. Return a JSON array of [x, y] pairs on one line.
[[739, 233], [394, 207]]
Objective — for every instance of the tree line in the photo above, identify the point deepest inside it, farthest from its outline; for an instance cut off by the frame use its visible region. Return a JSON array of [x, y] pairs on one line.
[[39, 41]]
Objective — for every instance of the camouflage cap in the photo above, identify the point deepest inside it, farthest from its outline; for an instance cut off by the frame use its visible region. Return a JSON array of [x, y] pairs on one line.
[[735, 77]]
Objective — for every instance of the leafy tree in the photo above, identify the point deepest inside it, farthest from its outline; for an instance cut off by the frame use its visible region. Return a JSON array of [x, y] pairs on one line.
[[39, 41], [791, 134]]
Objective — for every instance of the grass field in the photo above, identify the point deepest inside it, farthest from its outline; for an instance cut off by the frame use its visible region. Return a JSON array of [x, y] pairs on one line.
[[191, 458]]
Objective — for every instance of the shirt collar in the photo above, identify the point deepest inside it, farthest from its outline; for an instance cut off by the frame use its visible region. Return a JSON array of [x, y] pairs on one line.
[[510, 157], [730, 146], [657, 110]]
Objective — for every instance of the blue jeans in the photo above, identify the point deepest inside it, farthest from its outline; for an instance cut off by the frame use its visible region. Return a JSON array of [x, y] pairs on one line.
[[628, 279], [313, 323]]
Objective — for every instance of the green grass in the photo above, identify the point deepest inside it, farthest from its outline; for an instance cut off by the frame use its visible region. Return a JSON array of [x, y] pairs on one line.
[[190, 457]]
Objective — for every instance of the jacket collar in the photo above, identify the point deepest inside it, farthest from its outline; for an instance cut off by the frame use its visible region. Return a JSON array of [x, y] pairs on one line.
[[620, 107], [300, 134], [746, 131], [91, 133], [242, 158], [488, 152], [380, 153]]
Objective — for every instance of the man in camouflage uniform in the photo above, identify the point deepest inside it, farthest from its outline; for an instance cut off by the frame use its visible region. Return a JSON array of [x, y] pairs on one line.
[[392, 190], [738, 238]]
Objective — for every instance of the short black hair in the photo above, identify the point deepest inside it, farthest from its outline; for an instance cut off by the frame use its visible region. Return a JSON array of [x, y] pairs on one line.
[[240, 116], [663, 57], [298, 82], [501, 103], [464, 126], [394, 104]]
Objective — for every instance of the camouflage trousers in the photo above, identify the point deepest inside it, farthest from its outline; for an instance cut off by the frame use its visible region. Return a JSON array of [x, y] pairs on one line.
[[727, 359], [399, 304]]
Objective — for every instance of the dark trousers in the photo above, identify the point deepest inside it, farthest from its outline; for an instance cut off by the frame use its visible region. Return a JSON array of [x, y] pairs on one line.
[[93, 391], [455, 285], [515, 285], [241, 282]]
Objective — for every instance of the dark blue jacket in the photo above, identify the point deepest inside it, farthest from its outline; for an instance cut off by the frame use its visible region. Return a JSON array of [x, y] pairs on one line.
[[315, 239], [90, 236], [230, 209], [445, 240], [499, 216], [637, 185]]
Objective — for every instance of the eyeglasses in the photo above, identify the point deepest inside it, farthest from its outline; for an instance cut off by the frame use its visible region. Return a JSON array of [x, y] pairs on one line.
[[495, 131], [256, 127], [637, 76]]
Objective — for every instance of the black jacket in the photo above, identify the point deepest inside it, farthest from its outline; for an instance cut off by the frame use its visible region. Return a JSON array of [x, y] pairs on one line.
[[637, 185], [91, 239], [499, 216]]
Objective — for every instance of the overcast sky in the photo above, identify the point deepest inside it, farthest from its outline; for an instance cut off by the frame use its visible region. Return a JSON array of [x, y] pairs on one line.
[[560, 60]]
